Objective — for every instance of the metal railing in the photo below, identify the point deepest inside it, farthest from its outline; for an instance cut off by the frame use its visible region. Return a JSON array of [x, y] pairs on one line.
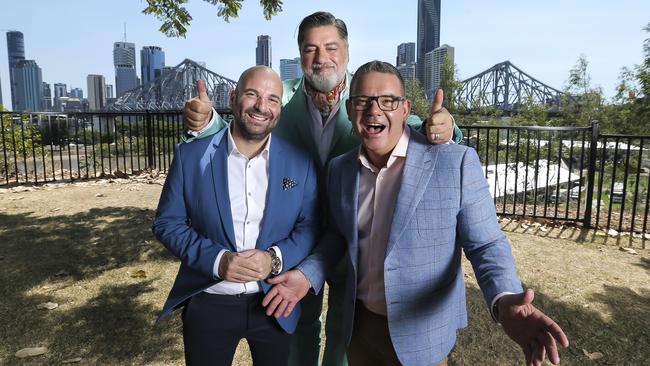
[[568, 174]]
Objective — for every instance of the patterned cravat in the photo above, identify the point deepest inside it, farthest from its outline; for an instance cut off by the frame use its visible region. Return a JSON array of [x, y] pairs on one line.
[[324, 102]]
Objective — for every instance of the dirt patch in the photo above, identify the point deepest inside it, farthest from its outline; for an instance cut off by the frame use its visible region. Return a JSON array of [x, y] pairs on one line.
[[83, 245]]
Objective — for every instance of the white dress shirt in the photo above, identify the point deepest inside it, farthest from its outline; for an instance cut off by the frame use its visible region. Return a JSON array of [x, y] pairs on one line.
[[247, 186]]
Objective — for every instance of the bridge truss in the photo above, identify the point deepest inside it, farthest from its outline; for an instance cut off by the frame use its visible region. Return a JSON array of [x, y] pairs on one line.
[[506, 87], [176, 85]]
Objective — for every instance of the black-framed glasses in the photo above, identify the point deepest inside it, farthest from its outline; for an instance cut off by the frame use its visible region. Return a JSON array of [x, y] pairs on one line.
[[385, 102]]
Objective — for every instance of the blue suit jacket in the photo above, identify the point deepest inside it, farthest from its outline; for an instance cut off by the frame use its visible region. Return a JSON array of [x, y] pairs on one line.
[[194, 219], [443, 206]]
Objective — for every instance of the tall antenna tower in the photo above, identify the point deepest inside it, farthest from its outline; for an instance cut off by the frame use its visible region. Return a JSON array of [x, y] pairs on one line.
[[124, 31]]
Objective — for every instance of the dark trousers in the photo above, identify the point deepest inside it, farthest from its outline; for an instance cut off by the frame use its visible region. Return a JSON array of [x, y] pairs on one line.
[[213, 325], [370, 344]]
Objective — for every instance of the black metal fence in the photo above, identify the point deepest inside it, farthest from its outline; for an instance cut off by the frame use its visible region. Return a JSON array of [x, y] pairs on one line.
[[570, 174]]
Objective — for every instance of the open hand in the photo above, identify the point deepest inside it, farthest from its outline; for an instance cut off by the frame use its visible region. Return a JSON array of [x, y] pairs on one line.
[[289, 288], [531, 329]]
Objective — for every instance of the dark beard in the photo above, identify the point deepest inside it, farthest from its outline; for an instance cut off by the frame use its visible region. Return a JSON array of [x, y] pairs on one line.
[[247, 134]]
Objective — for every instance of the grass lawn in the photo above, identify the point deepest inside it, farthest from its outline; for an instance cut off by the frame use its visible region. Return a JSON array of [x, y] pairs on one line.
[[88, 248]]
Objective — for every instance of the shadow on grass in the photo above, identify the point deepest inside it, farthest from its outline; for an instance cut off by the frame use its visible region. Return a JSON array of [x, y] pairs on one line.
[[104, 322], [621, 334]]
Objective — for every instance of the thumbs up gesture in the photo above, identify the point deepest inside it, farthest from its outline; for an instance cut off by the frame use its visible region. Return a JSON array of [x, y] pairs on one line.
[[198, 110], [439, 124]]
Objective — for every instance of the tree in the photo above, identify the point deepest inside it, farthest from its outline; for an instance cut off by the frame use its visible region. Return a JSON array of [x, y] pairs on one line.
[[415, 93], [176, 18], [449, 84], [582, 103]]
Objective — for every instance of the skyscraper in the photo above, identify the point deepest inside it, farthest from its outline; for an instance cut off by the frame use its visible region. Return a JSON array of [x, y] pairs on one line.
[[76, 93], [263, 51], [405, 54], [124, 62], [428, 32], [109, 91], [15, 53], [96, 92], [152, 61], [433, 60], [407, 71], [46, 97], [28, 86], [290, 68]]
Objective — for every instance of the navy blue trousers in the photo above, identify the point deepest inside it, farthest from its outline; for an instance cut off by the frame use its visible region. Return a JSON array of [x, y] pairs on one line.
[[213, 325]]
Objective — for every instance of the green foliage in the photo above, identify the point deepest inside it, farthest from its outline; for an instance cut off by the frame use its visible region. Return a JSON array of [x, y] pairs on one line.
[[415, 93], [449, 84], [19, 136], [176, 18]]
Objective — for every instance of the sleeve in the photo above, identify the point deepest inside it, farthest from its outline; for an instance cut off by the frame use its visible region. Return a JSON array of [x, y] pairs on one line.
[[420, 125], [330, 248], [216, 124], [479, 233], [171, 225]]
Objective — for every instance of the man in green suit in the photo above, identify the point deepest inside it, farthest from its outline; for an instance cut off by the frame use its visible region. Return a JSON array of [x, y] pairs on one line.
[[314, 117]]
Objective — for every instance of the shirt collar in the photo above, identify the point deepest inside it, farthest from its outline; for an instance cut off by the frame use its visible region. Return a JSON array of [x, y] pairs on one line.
[[398, 152], [232, 148]]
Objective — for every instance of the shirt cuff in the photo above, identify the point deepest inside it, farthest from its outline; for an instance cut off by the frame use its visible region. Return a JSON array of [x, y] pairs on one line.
[[278, 252], [453, 128], [201, 131], [494, 301], [215, 267]]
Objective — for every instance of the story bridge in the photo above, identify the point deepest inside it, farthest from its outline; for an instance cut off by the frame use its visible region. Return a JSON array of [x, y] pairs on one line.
[[173, 87], [506, 87], [503, 86]]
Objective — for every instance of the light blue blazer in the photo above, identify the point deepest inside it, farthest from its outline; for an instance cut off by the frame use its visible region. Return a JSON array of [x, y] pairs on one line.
[[194, 219], [443, 206]]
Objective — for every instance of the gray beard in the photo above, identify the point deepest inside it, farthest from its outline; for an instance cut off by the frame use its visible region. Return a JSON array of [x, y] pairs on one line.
[[322, 83]]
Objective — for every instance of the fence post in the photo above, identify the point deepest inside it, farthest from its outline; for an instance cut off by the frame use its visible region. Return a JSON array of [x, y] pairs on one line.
[[591, 172], [149, 140]]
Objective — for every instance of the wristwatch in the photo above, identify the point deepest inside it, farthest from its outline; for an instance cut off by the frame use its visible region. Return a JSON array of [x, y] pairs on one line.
[[276, 262]]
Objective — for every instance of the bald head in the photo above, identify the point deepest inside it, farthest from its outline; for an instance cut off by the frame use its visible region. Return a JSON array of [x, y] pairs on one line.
[[259, 71], [256, 103]]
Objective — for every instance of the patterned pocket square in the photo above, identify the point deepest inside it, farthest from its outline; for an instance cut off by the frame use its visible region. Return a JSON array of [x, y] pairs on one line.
[[288, 184]]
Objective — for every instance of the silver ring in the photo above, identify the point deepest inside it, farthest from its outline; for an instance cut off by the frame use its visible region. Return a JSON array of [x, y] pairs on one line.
[[436, 136]]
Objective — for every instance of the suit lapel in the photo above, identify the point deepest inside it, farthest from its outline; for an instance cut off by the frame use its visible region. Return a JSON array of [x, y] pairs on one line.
[[273, 194], [349, 199], [296, 113], [418, 167], [343, 125], [219, 164]]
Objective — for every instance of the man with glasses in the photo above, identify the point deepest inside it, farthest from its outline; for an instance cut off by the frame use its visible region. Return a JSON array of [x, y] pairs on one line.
[[400, 211], [314, 118]]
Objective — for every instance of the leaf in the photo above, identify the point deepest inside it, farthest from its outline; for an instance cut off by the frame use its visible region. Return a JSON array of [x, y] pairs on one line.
[[139, 274], [72, 360], [99, 195], [628, 250], [30, 352], [593, 356], [47, 306]]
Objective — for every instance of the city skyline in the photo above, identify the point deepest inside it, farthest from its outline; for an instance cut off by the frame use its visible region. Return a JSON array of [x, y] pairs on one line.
[[483, 35]]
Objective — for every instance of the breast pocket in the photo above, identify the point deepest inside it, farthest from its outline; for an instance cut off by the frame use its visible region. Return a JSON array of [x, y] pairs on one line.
[[436, 217]]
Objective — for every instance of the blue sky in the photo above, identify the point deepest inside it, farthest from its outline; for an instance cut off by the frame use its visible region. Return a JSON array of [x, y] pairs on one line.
[[72, 38]]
